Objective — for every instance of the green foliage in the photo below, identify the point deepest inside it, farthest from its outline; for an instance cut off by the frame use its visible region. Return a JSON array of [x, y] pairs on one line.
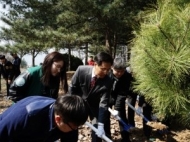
[[37, 25], [25, 19], [160, 58], [75, 62], [104, 23]]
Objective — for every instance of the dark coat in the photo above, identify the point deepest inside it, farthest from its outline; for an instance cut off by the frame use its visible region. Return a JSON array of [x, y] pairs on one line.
[[97, 97], [7, 70], [120, 89]]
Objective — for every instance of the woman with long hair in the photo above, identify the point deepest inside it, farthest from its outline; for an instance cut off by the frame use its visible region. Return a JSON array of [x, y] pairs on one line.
[[41, 80]]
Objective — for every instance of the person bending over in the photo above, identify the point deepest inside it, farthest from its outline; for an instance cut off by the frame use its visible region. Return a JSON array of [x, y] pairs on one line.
[[43, 119], [41, 80]]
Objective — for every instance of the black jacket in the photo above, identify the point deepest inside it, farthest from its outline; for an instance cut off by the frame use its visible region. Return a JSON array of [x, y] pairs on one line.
[[16, 64], [120, 89], [7, 70]]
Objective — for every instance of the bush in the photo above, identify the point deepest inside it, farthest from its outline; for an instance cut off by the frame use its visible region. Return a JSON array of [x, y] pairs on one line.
[[75, 62]]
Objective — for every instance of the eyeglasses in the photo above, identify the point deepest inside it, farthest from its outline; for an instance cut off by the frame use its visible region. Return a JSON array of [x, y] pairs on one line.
[[58, 66], [73, 129]]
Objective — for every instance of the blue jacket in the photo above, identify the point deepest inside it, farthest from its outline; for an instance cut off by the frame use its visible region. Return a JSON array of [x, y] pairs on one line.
[[31, 120]]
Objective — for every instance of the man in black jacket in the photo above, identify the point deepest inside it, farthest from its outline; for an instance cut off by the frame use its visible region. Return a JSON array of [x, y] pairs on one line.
[[96, 93], [7, 71], [121, 81], [16, 63]]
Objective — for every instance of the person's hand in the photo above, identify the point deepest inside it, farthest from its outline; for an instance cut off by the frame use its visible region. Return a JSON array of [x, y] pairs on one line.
[[139, 110], [9, 81], [115, 113], [100, 131]]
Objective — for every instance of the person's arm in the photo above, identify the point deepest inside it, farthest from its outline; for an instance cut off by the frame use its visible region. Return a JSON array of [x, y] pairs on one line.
[[18, 62], [74, 87], [3, 72], [11, 71], [104, 102], [121, 90], [6, 130], [19, 86], [64, 84], [103, 108], [10, 125], [120, 101]]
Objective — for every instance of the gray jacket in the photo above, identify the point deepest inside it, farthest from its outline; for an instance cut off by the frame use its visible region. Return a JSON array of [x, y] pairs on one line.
[[97, 97]]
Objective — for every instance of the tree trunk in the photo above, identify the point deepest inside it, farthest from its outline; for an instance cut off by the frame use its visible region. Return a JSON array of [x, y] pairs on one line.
[[69, 58], [33, 58], [86, 53], [114, 45], [107, 42]]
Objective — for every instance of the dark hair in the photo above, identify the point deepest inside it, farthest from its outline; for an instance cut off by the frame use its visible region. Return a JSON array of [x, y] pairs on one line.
[[119, 63], [2, 56], [103, 57], [46, 69], [72, 108], [13, 54]]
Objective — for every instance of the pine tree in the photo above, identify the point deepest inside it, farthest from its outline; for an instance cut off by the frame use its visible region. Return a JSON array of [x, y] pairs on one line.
[[28, 21], [160, 58]]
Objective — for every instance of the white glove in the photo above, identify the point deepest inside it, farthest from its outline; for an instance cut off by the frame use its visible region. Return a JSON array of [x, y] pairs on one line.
[[115, 113], [100, 131], [139, 110]]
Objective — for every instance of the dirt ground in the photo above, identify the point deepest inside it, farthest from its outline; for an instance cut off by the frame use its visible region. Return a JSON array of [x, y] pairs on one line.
[[176, 133]]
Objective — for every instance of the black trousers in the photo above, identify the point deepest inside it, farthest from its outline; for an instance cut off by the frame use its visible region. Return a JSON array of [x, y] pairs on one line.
[[132, 97], [95, 138], [7, 87], [147, 111], [124, 133]]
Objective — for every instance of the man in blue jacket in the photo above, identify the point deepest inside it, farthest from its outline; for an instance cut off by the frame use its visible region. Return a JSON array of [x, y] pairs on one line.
[[43, 119]]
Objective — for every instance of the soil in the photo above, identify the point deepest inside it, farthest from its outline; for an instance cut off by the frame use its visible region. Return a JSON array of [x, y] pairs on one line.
[[175, 134], [157, 125]]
